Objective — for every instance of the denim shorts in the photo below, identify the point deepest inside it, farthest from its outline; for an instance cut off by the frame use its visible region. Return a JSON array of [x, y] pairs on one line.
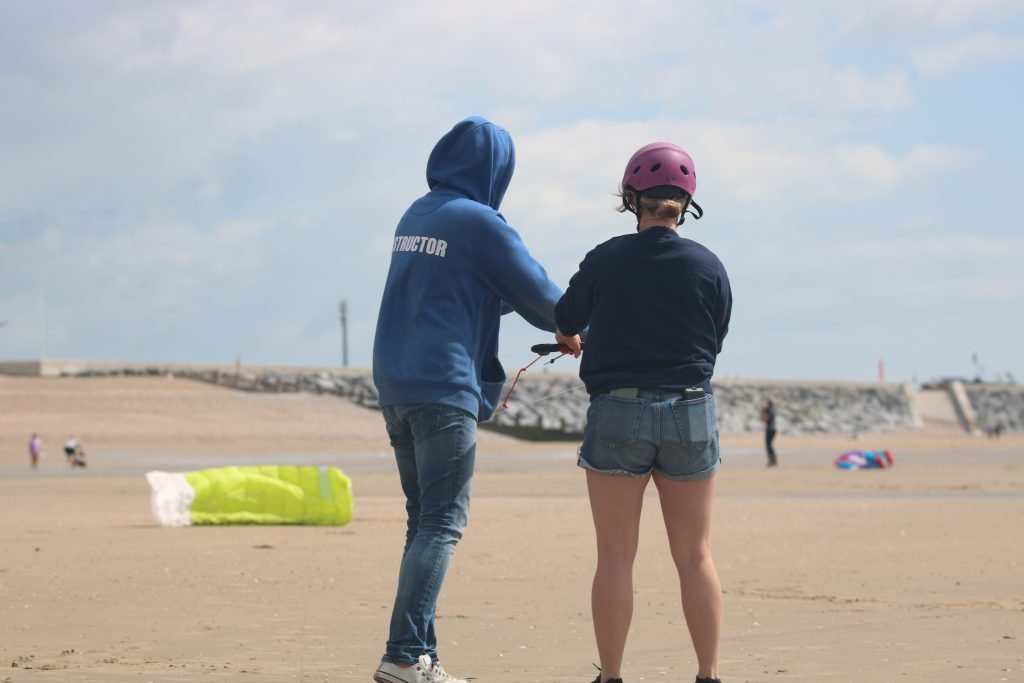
[[661, 431]]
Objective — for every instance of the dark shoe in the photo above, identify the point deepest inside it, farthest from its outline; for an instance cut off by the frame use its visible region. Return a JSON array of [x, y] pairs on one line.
[[610, 680], [708, 680]]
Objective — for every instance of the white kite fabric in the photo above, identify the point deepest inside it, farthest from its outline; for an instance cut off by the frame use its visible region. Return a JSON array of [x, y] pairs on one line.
[[270, 494]]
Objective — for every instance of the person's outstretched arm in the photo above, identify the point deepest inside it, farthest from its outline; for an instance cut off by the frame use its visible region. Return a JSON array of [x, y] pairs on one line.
[[517, 277]]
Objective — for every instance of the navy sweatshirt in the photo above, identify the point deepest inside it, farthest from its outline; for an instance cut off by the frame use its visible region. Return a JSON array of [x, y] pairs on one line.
[[658, 307], [456, 268]]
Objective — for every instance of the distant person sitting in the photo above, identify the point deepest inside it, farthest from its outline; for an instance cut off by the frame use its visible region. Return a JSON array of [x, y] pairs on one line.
[[73, 453], [35, 450], [768, 417]]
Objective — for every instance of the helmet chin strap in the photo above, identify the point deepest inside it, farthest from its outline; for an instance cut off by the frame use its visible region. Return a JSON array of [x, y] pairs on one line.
[[695, 211], [635, 210], [629, 205]]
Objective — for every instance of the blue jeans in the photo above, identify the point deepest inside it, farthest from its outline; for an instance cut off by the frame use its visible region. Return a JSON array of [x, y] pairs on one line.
[[663, 431], [435, 448]]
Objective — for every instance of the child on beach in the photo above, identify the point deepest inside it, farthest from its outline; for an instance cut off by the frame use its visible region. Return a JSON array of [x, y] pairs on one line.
[[35, 450], [456, 268], [658, 307]]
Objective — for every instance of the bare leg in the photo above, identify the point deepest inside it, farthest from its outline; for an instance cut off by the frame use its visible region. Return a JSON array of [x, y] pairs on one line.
[[616, 503], [686, 506]]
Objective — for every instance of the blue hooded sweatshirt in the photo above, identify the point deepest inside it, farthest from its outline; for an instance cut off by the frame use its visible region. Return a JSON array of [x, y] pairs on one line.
[[456, 268]]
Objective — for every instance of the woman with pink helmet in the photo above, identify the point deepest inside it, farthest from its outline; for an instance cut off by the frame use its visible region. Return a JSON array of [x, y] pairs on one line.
[[657, 306]]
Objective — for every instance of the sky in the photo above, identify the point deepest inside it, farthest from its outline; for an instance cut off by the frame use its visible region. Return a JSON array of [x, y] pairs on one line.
[[206, 181]]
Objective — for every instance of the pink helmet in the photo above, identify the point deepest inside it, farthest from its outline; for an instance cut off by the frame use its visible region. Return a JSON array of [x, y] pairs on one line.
[[660, 163], [658, 169]]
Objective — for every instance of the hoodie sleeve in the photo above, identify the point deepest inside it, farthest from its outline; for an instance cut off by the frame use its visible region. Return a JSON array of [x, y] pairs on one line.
[[516, 277], [572, 313]]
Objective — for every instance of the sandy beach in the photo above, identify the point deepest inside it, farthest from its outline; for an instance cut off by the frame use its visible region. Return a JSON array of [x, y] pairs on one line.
[[914, 574]]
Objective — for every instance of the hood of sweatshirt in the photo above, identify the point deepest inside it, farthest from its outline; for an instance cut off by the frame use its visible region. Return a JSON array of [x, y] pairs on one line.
[[476, 158]]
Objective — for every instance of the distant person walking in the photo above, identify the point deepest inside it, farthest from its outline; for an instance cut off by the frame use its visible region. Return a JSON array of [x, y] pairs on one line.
[[35, 450], [456, 267], [658, 307], [768, 417]]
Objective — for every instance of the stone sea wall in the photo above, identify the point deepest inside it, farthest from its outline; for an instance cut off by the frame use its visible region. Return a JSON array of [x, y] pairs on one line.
[[554, 405], [815, 408], [997, 406], [355, 385]]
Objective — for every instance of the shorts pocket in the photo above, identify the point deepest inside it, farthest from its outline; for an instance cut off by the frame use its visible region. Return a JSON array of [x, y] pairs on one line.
[[696, 422], [618, 419]]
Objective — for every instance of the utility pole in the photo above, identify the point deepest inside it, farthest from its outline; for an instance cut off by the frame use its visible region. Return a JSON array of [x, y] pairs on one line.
[[42, 326], [343, 313]]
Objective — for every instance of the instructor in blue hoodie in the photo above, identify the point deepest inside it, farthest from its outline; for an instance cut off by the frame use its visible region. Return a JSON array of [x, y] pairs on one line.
[[456, 267]]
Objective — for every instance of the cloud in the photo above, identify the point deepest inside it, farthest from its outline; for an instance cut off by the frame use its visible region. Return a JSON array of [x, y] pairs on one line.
[[255, 37], [154, 266], [917, 301], [869, 170], [138, 292], [880, 18], [745, 168], [809, 308], [177, 245], [950, 272], [979, 49], [171, 86], [857, 91]]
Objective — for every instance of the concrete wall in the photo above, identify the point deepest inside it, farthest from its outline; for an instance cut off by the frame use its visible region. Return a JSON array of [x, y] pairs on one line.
[[936, 406], [21, 368]]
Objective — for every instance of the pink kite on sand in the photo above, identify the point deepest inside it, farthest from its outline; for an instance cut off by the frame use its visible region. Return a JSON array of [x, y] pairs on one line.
[[864, 460]]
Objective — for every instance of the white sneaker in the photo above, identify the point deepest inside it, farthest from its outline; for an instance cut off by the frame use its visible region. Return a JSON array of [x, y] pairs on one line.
[[442, 676], [423, 671]]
